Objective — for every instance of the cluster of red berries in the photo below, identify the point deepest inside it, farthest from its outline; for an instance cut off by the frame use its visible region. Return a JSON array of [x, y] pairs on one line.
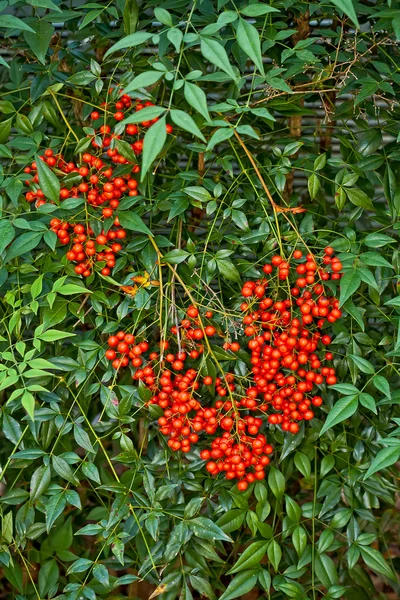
[[288, 357], [235, 459], [124, 103], [122, 349], [85, 250], [97, 186], [285, 361]]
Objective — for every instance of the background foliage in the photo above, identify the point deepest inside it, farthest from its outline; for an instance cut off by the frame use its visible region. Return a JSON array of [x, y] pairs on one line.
[[287, 104]]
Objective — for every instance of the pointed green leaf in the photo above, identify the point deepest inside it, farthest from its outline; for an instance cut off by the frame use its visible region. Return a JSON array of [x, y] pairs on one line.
[[342, 410], [130, 41], [48, 181], [153, 143], [385, 458], [249, 41], [186, 122], [39, 41], [143, 80], [214, 52], [250, 557], [195, 96], [349, 283], [347, 6]]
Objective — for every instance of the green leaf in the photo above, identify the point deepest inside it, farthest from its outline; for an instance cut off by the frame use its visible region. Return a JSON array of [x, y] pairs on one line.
[[146, 114], [7, 234], [274, 554], [313, 185], [393, 302], [22, 244], [368, 402], [70, 289], [377, 240], [131, 16], [368, 278], [5, 129], [143, 80], [125, 149], [250, 557], [48, 181], [198, 193], [327, 464], [175, 257], [206, 529], [258, 9], [100, 573], [240, 585], [91, 16], [40, 481], [45, 4], [52, 335], [214, 52], [385, 458], [28, 402], [249, 41], [54, 507], [163, 16], [320, 162], [153, 143], [364, 365], [276, 482], [91, 472], [129, 41], [175, 36], [382, 384], [80, 566], [359, 198], [231, 520], [347, 6], [293, 510], [48, 577], [40, 39], [342, 410], [373, 259], [63, 469], [202, 586], [11, 22], [240, 219], [186, 122], [325, 570], [349, 283], [375, 561], [82, 439], [228, 270], [220, 135], [299, 539], [303, 464], [133, 222], [195, 96], [81, 78]]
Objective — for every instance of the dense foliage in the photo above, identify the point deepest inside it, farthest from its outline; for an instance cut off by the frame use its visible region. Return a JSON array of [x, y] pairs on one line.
[[199, 266]]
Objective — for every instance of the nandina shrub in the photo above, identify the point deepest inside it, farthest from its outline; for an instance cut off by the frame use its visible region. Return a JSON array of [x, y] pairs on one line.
[[199, 269]]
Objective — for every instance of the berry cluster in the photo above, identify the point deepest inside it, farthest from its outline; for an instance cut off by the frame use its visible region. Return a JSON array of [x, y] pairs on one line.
[[100, 178], [123, 348], [288, 358], [286, 364], [104, 136], [97, 184], [85, 249]]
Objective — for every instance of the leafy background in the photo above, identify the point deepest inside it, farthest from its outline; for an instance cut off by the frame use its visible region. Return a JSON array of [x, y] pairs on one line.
[[288, 104]]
